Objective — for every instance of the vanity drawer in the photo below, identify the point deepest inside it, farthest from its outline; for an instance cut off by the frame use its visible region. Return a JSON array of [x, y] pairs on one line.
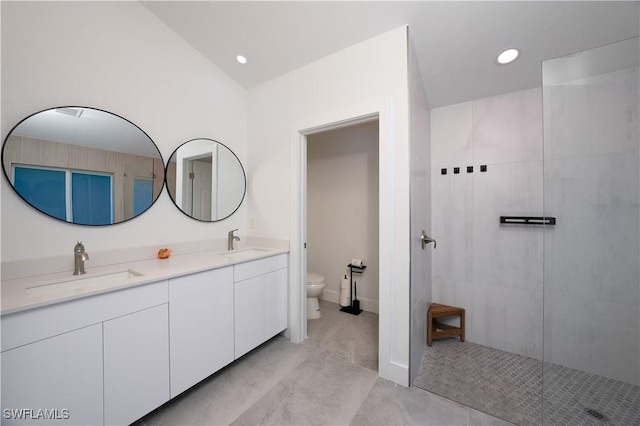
[[36, 324], [244, 271]]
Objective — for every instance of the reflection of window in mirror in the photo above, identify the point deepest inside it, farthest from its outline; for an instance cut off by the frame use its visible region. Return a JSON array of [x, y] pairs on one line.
[[138, 181], [142, 194], [45, 188], [73, 196], [92, 142]]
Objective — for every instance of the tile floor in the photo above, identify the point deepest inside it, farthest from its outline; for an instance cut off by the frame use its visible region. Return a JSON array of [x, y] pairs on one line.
[[512, 387], [329, 379], [504, 384]]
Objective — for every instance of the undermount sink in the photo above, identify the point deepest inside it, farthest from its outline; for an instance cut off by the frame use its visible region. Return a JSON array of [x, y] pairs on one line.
[[82, 284], [245, 254]]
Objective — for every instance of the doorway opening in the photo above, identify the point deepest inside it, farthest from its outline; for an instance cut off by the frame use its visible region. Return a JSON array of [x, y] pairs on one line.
[[342, 224], [393, 284], [197, 191]]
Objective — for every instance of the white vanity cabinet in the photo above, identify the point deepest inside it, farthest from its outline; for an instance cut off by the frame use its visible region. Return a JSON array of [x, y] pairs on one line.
[[260, 301], [136, 364], [248, 314], [201, 326], [61, 374], [275, 302], [111, 358], [103, 358]]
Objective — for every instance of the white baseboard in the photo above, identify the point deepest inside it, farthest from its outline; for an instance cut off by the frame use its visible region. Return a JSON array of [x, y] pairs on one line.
[[395, 372], [368, 305]]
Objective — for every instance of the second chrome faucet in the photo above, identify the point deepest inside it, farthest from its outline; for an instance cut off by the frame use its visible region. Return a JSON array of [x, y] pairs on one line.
[[231, 238]]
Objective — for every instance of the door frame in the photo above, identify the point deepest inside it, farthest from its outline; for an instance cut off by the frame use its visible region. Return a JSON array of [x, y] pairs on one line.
[[389, 368]]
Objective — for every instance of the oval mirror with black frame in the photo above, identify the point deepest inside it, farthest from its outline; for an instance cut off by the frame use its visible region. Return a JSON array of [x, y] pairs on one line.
[[83, 165], [205, 180]]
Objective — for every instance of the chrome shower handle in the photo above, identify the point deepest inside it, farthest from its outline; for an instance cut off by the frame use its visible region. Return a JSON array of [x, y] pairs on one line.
[[426, 240]]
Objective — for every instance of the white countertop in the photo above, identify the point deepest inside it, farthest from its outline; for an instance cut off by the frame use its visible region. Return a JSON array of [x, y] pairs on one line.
[[19, 295]]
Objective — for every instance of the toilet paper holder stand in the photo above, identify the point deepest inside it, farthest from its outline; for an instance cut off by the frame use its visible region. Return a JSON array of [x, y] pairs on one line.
[[354, 306]]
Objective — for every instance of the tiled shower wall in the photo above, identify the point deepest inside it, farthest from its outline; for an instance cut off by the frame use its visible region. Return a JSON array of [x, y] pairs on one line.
[[493, 271], [590, 259]]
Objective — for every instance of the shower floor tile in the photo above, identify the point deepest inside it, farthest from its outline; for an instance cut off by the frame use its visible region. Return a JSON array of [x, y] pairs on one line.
[[509, 386]]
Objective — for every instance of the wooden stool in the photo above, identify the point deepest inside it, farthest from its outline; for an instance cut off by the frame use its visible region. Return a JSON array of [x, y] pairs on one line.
[[437, 311]]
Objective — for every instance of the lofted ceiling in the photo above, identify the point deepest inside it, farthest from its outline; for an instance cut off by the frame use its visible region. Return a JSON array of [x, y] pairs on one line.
[[456, 42]]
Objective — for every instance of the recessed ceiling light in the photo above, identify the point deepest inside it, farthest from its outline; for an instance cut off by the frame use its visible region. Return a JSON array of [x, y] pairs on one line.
[[508, 56], [241, 59]]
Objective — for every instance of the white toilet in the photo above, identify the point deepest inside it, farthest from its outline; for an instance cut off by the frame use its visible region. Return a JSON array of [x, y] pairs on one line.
[[315, 285]]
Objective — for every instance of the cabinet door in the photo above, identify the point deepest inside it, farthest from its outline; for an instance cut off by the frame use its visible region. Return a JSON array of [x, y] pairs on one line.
[[59, 378], [136, 365], [201, 326], [248, 314], [275, 303]]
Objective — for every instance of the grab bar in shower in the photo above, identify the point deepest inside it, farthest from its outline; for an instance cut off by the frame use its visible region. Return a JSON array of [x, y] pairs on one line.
[[528, 220]]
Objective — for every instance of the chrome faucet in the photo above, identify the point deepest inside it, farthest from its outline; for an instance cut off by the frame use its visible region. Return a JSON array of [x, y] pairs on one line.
[[231, 238], [79, 256]]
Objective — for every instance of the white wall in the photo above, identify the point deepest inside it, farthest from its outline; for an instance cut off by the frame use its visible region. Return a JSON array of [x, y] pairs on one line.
[[493, 271], [592, 180], [421, 269], [342, 208], [115, 56], [370, 76]]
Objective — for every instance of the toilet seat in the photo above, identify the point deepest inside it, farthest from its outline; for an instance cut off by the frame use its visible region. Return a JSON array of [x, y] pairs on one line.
[[314, 279]]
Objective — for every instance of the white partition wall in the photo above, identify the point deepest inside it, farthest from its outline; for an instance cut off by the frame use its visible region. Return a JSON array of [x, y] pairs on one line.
[[367, 79]]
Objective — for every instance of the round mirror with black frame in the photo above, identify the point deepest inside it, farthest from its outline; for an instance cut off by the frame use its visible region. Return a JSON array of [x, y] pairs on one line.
[[205, 180], [83, 165]]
